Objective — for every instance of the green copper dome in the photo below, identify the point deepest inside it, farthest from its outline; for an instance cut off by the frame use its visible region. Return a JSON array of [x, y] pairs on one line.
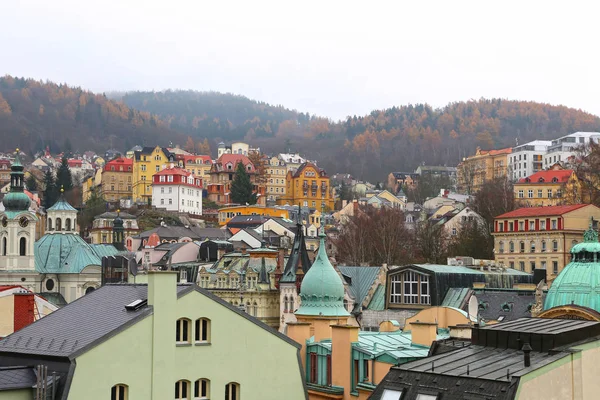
[[322, 290], [579, 282], [16, 199]]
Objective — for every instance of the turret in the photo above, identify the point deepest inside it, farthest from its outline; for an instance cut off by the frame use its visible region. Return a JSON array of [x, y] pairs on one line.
[[118, 233], [16, 199]]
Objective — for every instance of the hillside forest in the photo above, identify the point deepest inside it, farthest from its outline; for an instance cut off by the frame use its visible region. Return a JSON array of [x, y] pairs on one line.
[[369, 147]]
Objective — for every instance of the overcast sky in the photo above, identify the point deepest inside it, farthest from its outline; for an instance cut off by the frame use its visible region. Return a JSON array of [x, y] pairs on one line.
[[331, 58]]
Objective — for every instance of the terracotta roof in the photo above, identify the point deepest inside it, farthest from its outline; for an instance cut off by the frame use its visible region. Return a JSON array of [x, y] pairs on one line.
[[173, 171], [562, 176], [508, 150], [120, 161], [541, 211]]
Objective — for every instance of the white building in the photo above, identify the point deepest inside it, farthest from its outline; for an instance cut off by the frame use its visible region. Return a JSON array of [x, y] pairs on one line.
[[236, 148], [527, 158], [292, 160], [565, 147], [176, 189]]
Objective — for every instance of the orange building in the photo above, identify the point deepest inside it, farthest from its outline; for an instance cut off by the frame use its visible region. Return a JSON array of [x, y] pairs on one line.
[[308, 186]]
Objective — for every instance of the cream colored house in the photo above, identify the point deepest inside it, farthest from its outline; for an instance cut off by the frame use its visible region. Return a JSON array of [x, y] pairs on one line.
[[541, 237], [276, 178]]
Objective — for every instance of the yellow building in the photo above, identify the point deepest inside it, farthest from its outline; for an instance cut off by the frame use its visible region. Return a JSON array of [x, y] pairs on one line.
[[91, 184], [117, 177], [146, 163], [482, 167], [225, 214], [309, 186], [548, 188], [276, 171], [199, 165], [541, 237]]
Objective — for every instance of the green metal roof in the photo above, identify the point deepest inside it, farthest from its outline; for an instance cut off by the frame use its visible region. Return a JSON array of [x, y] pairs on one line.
[[397, 345], [579, 282], [455, 297], [377, 302], [62, 205], [68, 254], [361, 279], [322, 290], [448, 269]]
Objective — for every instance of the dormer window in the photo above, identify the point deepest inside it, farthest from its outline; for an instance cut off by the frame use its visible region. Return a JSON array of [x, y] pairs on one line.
[[170, 178], [554, 180]]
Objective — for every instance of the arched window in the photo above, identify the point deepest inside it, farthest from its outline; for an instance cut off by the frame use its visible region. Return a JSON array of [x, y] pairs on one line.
[[4, 245], [285, 304], [90, 290], [232, 391], [543, 245], [522, 247], [182, 389], [119, 392], [501, 247], [182, 332], [554, 245], [22, 246], [255, 309], [49, 224], [532, 246], [511, 247], [68, 224], [291, 304], [202, 389], [202, 330], [58, 224]]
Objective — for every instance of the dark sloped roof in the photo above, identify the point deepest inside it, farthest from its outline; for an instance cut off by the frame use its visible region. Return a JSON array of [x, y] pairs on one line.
[[12, 378], [504, 305], [91, 319], [195, 233], [298, 257]]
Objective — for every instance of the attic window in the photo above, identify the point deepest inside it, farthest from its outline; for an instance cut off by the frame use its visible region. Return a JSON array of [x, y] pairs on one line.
[[555, 179], [507, 307], [482, 306], [541, 180], [136, 305]]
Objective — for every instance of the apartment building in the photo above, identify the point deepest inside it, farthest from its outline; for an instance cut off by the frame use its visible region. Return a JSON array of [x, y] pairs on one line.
[[528, 158]]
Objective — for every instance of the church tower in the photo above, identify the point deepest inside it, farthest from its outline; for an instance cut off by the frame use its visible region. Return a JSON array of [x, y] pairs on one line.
[[118, 233], [17, 230], [62, 217], [290, 279]]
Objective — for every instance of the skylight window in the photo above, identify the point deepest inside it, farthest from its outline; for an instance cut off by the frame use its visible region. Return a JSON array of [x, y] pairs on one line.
[[391, 394], [422, 396]]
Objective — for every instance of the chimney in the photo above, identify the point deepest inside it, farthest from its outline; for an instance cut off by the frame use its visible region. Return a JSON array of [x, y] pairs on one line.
[[423, 333], [24, 310], [162, 296], [299, 332], [342, 337], [526, 355]]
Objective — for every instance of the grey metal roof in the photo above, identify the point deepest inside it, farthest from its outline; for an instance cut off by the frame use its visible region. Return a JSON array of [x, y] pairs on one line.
[[12, 378], [89, 320], [195, 233], [359, 280]]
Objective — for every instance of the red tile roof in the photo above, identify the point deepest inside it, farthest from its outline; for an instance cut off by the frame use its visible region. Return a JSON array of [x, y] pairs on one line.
[[508, 150], [173, 171], [562, 176], [234, 159], [541, 211]]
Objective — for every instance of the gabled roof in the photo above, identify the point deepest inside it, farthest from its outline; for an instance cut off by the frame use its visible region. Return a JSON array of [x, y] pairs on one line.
[[306, 164], [97, 316], [552, 176], [298, 258], [360, 280], [62, 205], [541, 211]]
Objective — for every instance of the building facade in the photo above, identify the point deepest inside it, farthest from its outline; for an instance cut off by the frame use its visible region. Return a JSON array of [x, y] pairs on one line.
[[146, 163], [198, 165], [222, 173], [176, 189], [117, 179], [162, 341], [309, 186], [276, 178], [527, 159], [482, 167], [541, 237], [548, 188], [563, 149], [102, 227]]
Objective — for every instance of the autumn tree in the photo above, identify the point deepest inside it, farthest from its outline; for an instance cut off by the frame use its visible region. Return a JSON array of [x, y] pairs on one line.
[[586, 165], [241, 187], [495, 197], [190, 146], [374, 236], [204, 147], [259, 167]]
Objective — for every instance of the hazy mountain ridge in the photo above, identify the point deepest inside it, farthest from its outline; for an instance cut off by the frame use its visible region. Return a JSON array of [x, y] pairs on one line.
[[398, 138]]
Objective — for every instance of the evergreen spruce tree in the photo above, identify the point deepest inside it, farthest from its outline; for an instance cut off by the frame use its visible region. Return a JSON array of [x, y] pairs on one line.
[[31, 183], [64, 179], [50, 190], [241, 187]]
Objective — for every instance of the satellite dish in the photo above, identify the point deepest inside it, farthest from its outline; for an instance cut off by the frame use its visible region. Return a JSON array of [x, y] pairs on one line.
[[473, 308], [133, 269]]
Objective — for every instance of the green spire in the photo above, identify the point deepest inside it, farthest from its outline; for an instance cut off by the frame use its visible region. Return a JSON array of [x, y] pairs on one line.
[[16, 199], [322, 290]]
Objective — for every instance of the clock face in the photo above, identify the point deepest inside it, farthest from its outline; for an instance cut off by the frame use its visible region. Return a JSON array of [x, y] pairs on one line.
[[23, 222], [4, 221]]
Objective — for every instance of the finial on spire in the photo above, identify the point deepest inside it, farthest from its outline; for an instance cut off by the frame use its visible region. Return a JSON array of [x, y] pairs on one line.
[[62, 188], [591, 235], [17, 151]]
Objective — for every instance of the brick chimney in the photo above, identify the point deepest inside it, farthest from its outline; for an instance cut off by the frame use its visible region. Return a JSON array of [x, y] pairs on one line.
[[24, 307]]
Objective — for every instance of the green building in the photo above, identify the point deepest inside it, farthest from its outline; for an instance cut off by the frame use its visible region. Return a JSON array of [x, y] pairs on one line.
[[150, 342]]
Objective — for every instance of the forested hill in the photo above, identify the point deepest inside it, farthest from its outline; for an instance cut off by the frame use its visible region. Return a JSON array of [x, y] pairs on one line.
[[36, 114], [398, 138]]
